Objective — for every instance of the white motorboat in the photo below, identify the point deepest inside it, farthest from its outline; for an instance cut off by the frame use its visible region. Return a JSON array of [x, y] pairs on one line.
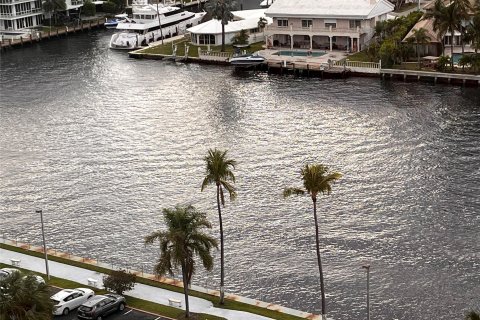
[[247, 60], [112, 23], [150, 22]]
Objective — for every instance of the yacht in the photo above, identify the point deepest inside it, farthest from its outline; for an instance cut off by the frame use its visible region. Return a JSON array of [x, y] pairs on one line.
[[150, 22]]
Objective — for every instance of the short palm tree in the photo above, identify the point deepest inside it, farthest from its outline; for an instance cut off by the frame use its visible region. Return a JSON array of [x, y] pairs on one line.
[[420, 37], [221, 10], [23, 298], [219, 172], [316, 179], [181, 242]]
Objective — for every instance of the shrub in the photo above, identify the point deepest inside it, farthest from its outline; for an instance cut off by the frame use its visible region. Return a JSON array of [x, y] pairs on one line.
[[109, 7], [89, 8], [119, 281], [442, 63]]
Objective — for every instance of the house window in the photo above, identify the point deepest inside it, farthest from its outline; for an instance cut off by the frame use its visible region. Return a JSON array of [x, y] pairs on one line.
[[206, 39], [330, 24], [282, 22], [306, 23], [355, 23]]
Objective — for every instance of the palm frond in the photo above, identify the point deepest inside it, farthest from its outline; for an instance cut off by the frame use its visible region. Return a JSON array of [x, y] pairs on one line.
[[287, 192]]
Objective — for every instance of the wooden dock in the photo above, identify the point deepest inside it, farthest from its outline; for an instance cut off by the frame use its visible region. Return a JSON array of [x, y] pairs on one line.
[[51, 34], [306, 69]]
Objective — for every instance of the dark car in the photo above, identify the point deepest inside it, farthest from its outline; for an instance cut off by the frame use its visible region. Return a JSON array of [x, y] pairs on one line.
[[100, 306]]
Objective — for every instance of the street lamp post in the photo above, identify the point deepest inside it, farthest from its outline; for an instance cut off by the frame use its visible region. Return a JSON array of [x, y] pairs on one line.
[[367, 267], [44, 245]]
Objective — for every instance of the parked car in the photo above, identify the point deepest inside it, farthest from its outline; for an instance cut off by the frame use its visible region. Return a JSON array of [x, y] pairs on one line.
[[66, 300], [6, 272], [100, 306]]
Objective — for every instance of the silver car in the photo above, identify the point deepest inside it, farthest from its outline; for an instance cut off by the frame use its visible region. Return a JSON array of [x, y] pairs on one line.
[[100, 306]]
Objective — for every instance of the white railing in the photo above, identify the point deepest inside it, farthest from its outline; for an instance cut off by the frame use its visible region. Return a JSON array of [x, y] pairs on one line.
[[213, 55], [313, 29], [360, 66], [20, 13]]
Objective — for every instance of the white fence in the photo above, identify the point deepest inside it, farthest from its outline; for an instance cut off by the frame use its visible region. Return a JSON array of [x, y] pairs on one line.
[[213, 55], [359, 66]]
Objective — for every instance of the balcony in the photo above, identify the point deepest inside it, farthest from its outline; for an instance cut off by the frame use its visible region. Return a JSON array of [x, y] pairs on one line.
[[20, 14], [14, 1], [317, 31]]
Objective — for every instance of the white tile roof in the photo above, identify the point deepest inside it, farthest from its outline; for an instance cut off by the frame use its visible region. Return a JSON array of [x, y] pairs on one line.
[[360, 9], [248, 14]]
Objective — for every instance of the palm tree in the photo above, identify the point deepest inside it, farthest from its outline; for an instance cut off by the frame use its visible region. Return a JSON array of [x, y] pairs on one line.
[[420, 37], [316, 179], [473, 32], [24, 299], [219, 172], [54, 6], [221, 10], [181, 242], [463, 10], [445, 18]]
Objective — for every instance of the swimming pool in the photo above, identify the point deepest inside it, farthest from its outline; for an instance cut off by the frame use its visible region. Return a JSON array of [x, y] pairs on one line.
[[299, 53]]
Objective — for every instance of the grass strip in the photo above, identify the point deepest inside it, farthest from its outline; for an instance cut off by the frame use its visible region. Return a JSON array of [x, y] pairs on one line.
[[229, 304], [167, 49]]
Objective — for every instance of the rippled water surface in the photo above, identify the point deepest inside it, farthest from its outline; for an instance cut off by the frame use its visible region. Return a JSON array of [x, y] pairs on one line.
[[102, 143]]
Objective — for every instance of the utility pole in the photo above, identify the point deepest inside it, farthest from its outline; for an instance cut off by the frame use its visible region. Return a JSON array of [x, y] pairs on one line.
[[44, 245], [367, 267]]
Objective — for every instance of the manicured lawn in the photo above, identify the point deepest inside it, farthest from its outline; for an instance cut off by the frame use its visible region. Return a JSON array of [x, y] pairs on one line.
[[167, 49], [229, 304], [360, 56]]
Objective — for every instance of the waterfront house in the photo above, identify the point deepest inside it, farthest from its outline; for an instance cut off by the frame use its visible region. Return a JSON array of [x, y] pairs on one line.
[[434, 45], [210, 32], [20, 14], [324, 24]]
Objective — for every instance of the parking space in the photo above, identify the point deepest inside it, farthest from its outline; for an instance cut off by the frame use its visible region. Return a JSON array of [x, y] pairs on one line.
[[127, 314]]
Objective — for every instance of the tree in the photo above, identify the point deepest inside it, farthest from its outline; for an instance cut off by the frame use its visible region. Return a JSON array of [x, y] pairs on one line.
[[463, 11], [23, 298], [54, 6], [316, 179], [472, 315], [420, 37], [89, 8], [109, 7], [221, 10], [181, 242], [445, 18], [241, 37], [473, 32], [219, 172], [119, 281]]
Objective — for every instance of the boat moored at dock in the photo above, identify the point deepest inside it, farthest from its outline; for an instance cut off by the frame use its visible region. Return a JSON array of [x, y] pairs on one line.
[[247, 60], [152, 23]]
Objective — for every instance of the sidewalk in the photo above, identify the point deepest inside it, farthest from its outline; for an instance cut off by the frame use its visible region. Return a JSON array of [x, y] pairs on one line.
[[141, 291]]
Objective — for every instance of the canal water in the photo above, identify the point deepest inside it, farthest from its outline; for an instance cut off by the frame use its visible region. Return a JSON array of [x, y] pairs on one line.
[[102, 143]]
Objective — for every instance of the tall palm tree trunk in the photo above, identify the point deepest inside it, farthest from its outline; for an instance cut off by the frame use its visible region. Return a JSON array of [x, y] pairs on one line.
[[222, 267], [185, 290], [322, 287]]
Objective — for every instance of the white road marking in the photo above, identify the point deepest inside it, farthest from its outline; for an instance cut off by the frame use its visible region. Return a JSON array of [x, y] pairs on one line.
[[158, 318], [128, 312]]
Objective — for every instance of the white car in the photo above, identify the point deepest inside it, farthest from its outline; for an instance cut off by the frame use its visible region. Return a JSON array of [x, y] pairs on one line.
[[6, 272], [66, 300]]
